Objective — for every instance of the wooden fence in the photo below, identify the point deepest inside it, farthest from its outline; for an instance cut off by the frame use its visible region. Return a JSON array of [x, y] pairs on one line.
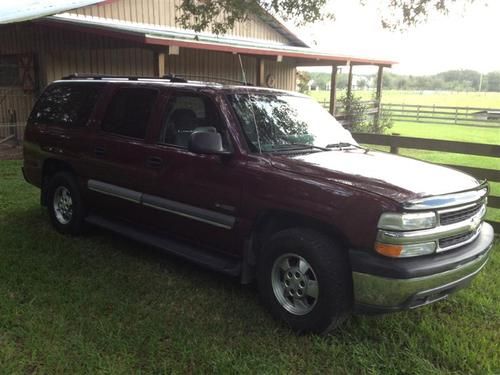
[[431, 114], [491, 150]]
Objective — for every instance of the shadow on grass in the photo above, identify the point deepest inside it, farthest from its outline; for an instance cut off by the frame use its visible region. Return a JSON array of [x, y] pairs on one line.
[[106, 295]]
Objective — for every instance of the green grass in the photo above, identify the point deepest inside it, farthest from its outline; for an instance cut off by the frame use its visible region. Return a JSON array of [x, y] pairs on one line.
[[103, 304], [439, 98]]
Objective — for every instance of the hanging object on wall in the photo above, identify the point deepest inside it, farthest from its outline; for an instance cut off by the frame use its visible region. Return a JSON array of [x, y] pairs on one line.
[[27, 72], [270, 80]]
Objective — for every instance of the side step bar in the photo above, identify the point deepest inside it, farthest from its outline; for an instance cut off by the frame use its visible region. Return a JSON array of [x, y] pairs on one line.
[[203, 258]]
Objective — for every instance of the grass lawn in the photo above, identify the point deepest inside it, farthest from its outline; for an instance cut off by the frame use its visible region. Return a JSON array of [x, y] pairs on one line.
[[103, 304], [439, 98]]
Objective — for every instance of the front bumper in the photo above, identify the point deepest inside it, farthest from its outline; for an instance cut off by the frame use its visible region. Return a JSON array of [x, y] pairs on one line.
[[382, 284]]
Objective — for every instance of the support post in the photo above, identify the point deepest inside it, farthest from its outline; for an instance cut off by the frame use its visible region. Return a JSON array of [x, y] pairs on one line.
[[259, 74], [333, 90], [349, 81], [378, 95], [161, 64]]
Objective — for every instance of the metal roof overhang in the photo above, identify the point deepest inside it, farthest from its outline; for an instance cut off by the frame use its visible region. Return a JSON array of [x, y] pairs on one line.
[[25, 10], [155, 36]]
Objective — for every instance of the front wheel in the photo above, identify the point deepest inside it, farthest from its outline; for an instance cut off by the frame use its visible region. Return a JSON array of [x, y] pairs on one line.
[[305, 280]]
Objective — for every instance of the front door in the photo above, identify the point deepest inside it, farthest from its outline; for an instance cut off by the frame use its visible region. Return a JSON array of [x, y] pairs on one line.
[[195, 197]]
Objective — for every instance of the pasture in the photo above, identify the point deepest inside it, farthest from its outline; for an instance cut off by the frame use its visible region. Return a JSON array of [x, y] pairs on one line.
[[439, 98], [103, 304]]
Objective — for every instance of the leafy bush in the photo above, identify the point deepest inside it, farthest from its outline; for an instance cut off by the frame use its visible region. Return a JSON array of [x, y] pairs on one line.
[[357, 119]]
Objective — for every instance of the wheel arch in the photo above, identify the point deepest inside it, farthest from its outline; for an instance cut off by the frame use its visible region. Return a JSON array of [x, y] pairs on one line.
[[272, 221], [50, 167]]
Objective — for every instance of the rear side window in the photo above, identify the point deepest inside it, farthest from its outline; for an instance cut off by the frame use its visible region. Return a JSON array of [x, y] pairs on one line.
[[66, 105], [129, 111]]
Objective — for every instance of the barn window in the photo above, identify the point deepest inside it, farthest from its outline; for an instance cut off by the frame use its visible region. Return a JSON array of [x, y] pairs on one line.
[[9, 71]]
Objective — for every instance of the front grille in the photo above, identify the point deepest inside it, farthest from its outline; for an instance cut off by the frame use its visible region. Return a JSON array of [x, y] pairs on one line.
[[446, 218], [455, 240]]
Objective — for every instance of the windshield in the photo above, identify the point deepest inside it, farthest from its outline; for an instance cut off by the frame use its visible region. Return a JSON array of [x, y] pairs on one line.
[[282, 122]]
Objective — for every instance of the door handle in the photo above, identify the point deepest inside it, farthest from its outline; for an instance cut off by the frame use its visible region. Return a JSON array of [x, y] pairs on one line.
[[99, 151], [154, 162]]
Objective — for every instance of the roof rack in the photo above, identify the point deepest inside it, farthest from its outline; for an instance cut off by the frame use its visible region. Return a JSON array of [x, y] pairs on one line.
[[169, 77], [215, 79]]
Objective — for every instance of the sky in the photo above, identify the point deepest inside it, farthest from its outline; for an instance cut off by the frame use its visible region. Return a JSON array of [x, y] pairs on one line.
[[463, 39]]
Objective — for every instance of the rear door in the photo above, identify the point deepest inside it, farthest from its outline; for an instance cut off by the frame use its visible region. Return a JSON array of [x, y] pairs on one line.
[[120, 151], [195, 197]]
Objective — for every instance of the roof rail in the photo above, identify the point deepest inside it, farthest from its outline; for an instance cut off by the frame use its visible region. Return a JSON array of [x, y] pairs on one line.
[[215, 79], [169, 77]]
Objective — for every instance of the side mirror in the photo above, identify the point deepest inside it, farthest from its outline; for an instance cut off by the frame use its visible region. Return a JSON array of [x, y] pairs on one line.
[[206, 142]]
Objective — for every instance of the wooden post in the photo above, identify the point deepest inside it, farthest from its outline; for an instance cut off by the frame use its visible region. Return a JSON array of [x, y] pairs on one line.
[[161, 64], [378, 95], [333, 90], [349, 81], [259, 74]]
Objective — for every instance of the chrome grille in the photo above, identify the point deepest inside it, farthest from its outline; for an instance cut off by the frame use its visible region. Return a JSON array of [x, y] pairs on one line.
[[451, 217], [459, 239], [469, 217]]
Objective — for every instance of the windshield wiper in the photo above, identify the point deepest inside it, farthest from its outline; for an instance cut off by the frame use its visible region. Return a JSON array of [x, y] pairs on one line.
[[296, 147], [342, 145], [310, 146]]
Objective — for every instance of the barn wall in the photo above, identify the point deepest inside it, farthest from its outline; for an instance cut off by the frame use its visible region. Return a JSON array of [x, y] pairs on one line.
[[59, 52], [163, 13], [210, 65]]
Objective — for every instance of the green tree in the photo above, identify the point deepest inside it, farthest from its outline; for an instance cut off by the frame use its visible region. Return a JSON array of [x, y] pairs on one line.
[[303, 79], [493, 81], [221, 15]]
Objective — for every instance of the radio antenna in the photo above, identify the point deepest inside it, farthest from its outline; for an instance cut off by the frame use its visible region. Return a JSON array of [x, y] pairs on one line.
[[251, 104]]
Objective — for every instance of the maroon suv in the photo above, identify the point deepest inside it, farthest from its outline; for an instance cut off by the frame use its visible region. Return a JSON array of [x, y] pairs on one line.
[[259, 184]]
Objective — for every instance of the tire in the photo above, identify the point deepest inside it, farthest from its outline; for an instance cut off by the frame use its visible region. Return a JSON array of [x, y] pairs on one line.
[[318, 297], [64, 201]]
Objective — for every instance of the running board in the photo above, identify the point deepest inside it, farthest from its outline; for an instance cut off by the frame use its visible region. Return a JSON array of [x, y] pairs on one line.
[[199, 256]]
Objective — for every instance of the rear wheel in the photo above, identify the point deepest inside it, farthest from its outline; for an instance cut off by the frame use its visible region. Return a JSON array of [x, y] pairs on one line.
[[305, 280], [66, 209]]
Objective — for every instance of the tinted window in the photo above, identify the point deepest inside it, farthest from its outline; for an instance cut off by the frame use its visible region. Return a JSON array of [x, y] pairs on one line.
[[66, 105], [187, 113], [129, 111]]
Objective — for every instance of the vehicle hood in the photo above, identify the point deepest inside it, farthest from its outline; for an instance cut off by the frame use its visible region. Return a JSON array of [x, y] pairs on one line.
[[396, 177]]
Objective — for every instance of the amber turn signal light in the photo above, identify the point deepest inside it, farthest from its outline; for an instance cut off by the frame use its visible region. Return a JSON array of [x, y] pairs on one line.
[[388, 249]]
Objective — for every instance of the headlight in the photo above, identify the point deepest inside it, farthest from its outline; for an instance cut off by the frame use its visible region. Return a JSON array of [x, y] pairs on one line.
[[405, 251], [407, 221]]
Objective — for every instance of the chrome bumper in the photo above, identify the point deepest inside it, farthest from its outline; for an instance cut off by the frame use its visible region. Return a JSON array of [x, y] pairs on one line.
[[377, 293]]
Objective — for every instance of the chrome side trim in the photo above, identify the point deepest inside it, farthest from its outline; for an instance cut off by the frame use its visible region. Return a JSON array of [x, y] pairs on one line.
[[200, 214], [115, 191], [392, 293], [195, 213], [448, 200]]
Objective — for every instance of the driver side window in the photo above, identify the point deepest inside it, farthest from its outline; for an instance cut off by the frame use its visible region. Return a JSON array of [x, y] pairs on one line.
[[187, 113]]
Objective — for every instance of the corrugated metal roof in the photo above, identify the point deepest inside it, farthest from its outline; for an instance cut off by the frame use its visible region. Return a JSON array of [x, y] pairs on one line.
[[25, 10], [187, 39]]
